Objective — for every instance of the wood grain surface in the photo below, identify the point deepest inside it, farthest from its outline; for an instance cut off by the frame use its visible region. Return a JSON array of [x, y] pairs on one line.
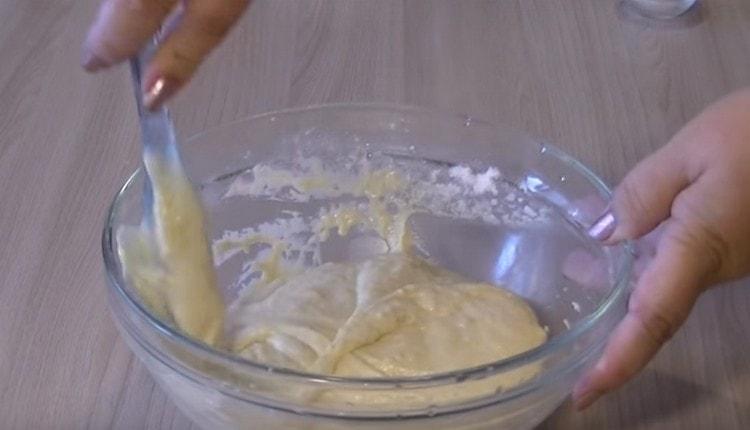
[[604, 85]]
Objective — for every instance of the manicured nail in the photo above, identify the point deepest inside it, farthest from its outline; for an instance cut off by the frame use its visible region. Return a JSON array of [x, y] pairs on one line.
[[158, 92], [92, 63], [587, 399], [603, 227]]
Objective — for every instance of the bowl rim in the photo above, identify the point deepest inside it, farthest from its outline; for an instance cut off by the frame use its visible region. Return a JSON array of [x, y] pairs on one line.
[[585, 324]]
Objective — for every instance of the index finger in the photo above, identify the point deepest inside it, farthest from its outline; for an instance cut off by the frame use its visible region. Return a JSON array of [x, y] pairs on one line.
[[199, 28], [660, 303]]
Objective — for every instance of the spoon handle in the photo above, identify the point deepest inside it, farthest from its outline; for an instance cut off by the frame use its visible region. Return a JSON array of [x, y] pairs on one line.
[[160, 154]]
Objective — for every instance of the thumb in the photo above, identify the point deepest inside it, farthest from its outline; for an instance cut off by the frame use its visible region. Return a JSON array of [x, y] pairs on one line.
[[644, 198], [660, 303]]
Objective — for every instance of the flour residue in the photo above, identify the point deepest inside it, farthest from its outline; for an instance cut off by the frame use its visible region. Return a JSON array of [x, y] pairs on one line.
[[356, 193]]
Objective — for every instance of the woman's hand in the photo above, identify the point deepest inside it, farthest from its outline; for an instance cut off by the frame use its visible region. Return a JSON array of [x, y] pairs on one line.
[[694, 194], [193, 28]]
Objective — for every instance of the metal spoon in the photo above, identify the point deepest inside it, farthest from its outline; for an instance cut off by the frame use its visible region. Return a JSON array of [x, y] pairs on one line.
[[157, 134]]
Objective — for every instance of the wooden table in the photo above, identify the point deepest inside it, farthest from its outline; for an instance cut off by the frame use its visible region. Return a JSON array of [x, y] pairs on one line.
[[606, 87]]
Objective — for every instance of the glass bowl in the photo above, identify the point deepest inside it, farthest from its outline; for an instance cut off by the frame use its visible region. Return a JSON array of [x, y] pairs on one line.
[[577, 288]]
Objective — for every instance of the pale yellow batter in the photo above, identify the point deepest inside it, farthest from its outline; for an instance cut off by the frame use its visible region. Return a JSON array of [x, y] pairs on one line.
[[168, 258], [392, 315]]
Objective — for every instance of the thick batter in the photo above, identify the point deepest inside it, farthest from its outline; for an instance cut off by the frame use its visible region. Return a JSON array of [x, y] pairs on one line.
[[392, 315], [168, 258]]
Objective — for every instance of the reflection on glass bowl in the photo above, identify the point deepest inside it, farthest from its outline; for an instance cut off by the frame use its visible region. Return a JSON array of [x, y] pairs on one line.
[[577, 288]]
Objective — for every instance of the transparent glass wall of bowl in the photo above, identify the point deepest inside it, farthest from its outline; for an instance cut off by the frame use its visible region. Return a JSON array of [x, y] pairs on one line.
[[219, 391], [659, 9], [208, 393]]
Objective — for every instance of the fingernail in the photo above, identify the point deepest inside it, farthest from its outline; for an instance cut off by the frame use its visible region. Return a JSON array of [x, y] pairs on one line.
[[586, 399], [92, 63], [158, 92], [603, 227]]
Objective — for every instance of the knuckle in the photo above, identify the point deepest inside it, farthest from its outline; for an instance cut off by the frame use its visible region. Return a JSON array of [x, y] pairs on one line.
[[699, 237], [213, 22], [715, 248], [631, 197], [184, 59], [631, 200], [202, 26], [658, 324]]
